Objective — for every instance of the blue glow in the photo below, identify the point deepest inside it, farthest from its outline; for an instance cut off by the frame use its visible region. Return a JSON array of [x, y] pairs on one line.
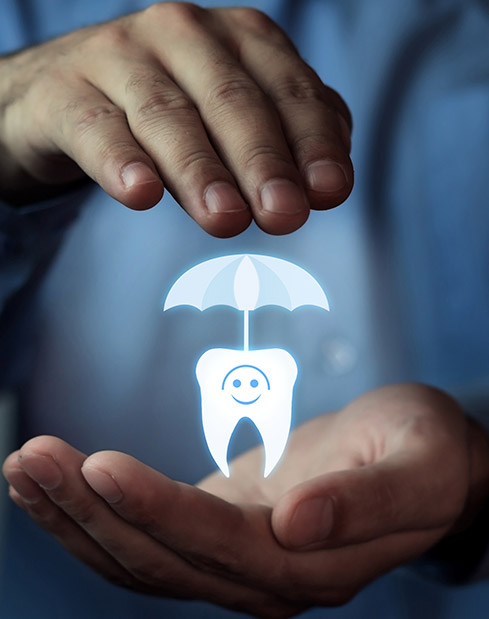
[[246, 282]]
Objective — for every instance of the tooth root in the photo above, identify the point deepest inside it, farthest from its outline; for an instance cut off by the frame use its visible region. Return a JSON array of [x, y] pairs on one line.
[[217, 432], [274, 438]]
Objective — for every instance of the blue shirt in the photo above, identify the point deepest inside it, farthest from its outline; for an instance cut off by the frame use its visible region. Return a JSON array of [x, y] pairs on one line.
[[405, 264]]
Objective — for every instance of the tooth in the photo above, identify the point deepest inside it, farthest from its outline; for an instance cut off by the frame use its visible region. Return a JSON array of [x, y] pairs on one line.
[[256, 384]]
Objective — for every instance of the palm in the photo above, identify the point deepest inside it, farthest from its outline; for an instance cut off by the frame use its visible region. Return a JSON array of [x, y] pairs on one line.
[[361, 434]]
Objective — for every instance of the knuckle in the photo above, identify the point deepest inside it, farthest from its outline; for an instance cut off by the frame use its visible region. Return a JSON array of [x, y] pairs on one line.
[[295, 90], [114, 35], [254, 20], [85, 119], [195, 162], [111, 36], [142, 79], [311, 143], [259, 155], [182, 15], [261, 26], [161, 104], [235, 91]]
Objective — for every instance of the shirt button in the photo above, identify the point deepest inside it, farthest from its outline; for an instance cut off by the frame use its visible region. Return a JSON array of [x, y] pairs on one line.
[[339, 355]]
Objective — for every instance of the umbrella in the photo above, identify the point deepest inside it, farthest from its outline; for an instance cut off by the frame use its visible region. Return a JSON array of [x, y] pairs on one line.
[[246, 282]]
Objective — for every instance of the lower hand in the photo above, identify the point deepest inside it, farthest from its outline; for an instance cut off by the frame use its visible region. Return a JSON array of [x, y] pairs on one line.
[[357, 493], [214, 104]]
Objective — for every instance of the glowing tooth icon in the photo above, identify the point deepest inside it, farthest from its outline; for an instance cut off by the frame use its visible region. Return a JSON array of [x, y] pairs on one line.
[[253, 384], [237, 384]]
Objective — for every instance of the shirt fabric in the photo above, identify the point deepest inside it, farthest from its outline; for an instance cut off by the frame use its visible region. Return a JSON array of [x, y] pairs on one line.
[[405, 264]]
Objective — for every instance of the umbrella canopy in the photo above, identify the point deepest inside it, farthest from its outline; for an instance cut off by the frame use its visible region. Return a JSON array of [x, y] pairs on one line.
[[246, 282]]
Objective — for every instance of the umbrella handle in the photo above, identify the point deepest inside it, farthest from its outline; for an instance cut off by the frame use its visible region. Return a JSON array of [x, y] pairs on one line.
[[246, 329]]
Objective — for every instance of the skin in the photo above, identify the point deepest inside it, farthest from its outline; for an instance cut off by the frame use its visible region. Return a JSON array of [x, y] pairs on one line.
[[357, 493], [218, 108]]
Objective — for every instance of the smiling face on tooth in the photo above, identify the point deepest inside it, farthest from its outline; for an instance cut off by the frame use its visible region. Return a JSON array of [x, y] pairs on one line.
[[246, 384]]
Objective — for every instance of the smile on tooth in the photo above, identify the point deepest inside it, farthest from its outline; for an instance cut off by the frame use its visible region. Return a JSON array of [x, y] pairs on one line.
[[255, 384], [246, 403]]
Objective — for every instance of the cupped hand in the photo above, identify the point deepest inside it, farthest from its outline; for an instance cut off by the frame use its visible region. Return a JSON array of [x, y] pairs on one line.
[[357, 493], [214, 104]]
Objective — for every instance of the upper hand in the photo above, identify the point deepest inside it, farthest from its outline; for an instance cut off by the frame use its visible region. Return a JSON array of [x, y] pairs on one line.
[[214, 104], [357, 493]]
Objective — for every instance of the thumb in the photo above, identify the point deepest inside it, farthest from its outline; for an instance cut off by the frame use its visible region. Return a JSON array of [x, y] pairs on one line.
[[353, 506]]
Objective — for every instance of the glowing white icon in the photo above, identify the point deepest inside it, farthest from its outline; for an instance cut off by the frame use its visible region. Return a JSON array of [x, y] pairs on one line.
[[253, 384], [237, 384]]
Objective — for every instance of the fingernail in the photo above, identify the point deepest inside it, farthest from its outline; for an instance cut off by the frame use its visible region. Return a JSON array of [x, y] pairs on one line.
[[42, 469], [326, 176], [28, 490], [311, 522], [103, 484], [137, 173], [222, 197], [282, 196]]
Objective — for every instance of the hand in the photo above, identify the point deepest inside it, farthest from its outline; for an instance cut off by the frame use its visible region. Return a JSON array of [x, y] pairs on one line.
[[215, 104], [357, 493]]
